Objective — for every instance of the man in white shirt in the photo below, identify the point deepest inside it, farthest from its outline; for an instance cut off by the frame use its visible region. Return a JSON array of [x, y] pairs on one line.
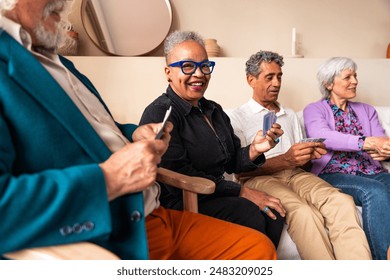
[[313, 206]]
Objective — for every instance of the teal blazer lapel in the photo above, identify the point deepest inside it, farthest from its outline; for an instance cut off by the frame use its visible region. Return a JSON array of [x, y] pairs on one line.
[[30, 75], [127, 129]]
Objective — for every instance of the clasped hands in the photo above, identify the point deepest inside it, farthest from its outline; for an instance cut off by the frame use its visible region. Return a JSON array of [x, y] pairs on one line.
[[377, 147]]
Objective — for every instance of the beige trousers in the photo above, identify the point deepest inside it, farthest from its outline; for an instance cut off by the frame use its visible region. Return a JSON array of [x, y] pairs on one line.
[[322, 221]]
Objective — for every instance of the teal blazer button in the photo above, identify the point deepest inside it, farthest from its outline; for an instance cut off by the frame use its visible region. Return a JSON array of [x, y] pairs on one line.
[[66, 230], [77, 228], [88, 226], [135, 216]]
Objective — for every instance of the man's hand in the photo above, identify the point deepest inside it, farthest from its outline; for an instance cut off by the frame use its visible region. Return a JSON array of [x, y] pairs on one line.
[[149, 131], [134, 167], [262, 144], [263, 200], [301, 153]]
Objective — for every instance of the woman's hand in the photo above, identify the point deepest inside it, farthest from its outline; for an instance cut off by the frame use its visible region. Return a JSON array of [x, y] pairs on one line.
[[262, 144], [376, 156], [264, 201], [377, 147]]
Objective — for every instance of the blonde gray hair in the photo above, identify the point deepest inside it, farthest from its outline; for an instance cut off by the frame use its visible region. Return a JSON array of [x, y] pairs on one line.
[[330, 69]]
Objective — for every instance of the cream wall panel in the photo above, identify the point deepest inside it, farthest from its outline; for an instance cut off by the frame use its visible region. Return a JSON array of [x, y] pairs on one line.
[[355, 28]]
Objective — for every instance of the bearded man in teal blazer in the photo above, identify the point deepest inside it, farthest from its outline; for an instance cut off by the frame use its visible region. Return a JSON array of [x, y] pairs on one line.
[[69, 173]]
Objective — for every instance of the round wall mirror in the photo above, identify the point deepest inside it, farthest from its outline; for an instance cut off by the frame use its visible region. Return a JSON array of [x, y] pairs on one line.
[[126, 27]]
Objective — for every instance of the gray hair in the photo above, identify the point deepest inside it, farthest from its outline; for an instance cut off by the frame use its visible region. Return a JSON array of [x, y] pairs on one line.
[[6, 5], [178, 37], [252, 66], [330, 69]]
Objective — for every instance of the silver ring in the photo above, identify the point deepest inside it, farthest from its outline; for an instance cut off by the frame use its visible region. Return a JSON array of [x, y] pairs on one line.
[[265, 209], [276, 140]]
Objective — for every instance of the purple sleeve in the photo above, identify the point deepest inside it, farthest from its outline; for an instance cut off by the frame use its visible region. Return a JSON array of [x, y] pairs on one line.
[[319, 123], [372, 124]]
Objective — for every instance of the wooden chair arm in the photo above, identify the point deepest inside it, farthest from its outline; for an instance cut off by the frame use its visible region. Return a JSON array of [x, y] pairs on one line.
[[185, 182], [191, 186], [76, 251]]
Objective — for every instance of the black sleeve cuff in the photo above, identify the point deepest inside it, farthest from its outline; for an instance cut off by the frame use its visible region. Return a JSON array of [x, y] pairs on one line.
[[247, 164], [259, 160]]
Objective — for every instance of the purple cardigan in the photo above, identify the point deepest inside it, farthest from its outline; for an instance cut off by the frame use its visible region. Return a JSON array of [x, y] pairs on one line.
[[319, 123]]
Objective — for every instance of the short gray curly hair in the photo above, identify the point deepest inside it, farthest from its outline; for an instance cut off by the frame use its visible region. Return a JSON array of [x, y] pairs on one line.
[[252, 66], [330, 69], [178, 37]]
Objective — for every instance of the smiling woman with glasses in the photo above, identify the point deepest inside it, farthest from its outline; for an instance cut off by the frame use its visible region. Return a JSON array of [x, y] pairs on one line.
[[203, 141], [189, 67]]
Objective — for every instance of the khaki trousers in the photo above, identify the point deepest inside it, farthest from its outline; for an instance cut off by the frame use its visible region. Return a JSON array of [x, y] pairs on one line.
[[176, 235], [322, 221]]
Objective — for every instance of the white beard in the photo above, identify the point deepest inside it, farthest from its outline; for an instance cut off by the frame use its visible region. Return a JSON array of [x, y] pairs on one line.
[[70, 46], [48, 40], [52, 40]]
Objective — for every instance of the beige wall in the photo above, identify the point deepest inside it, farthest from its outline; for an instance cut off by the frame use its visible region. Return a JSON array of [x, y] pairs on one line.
[[355, 28], [129, 84]]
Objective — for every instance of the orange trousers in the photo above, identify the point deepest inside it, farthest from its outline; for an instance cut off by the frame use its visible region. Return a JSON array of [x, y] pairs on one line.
[[174, 235]]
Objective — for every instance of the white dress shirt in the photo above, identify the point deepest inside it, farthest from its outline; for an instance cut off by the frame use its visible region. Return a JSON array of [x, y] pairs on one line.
[[248, 119]]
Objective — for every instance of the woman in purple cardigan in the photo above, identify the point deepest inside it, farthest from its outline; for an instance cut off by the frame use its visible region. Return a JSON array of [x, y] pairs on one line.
[[356, 144]]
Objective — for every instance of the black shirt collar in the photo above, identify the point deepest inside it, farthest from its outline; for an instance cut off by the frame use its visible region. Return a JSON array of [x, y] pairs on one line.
[[185, 107]]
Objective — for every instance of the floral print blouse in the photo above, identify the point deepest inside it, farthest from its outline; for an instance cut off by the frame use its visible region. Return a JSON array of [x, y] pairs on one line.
[[349, 162]]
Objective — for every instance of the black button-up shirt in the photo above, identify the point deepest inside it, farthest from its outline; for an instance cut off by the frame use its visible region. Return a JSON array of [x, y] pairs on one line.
[[196, 148]]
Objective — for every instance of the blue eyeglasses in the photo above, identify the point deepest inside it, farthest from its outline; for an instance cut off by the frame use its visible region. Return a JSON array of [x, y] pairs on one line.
[[188, 67]]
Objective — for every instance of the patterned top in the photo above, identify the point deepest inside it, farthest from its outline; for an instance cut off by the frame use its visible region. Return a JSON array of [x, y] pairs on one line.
[[349, 162]]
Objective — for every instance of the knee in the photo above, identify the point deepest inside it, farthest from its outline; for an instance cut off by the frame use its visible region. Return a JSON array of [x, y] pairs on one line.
[[379, 193], [240, 211], [251, 215], [302, 210], [336, 199], [236, 210], [343, 199], [279, 220]]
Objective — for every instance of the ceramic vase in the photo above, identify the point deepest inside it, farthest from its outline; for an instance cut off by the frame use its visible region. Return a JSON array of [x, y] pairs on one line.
[[388, 51], [212, 47]]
